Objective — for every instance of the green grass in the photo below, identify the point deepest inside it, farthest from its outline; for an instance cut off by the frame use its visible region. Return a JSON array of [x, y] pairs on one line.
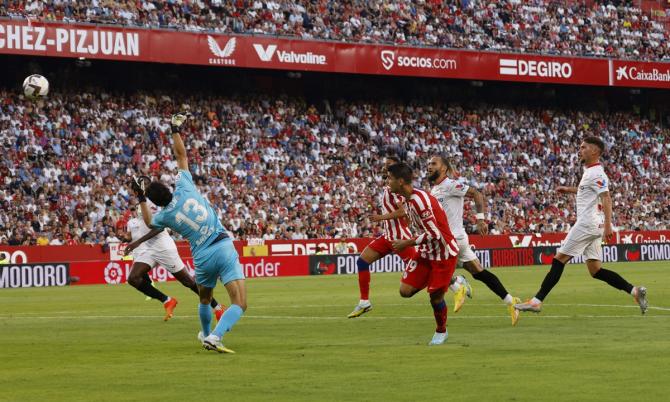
[[95, 343]]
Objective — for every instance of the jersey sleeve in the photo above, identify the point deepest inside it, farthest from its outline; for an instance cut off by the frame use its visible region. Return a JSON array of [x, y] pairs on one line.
[[421, 209], [158, 221], [185, 180], [457, 189], [600, 183]]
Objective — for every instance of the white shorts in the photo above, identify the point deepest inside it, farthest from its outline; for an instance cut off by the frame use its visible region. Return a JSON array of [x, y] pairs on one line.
[[465, 253], [583, 240], [168, 259]]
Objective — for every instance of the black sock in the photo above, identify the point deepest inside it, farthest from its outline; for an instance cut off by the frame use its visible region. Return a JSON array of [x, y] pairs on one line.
[[551, 279], [492, 282], [152, 292], [194, 288], [613, 279]]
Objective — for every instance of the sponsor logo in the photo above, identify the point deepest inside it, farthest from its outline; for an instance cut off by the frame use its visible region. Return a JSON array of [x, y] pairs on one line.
[[389, 59], [81, 42], [33, 275], [261, 269], [601, 183], [267, 53], [113, 273], [222, 55], [633, 254], [635, 74], [309, 248], [534, 68]]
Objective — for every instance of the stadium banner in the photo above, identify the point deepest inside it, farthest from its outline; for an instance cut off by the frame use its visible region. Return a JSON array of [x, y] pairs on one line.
[[34, 275], [611, 253], [115, 272], [639, 74], [167, 46], [284, 248], [342, 264]]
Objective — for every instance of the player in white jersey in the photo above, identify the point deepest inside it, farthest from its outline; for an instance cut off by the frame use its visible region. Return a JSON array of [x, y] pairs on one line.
[[395, 228], [594, 221], [152, 247], [451, 194]]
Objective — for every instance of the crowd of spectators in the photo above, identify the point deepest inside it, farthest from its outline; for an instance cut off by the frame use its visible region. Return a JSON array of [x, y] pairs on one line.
[[279, 167], [614, 29]]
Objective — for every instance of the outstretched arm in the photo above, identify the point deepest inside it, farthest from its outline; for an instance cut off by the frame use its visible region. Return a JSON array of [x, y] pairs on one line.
[[480, 204], [398, 213], [132, 246], [178, 147]]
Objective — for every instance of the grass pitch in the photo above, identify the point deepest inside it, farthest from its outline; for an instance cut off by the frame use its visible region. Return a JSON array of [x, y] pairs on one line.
[[104, 343]]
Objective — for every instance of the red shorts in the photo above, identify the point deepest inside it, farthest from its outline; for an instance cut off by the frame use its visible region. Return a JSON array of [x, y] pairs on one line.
[[383, 246], [435, 275]]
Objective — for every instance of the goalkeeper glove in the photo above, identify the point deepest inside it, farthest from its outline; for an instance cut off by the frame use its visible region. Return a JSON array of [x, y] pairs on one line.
[[178, 120]]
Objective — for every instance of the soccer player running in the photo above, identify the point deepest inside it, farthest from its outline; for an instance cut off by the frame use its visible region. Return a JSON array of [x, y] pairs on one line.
[[395, 227], [594, 221], [152, 247], [451, 193], [435, 262], [188, 213]]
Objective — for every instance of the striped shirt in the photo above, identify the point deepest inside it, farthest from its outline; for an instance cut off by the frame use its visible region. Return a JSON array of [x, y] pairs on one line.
[[394, 229], [429, 221]]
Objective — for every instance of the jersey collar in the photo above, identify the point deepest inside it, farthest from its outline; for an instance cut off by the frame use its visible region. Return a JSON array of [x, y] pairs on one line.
[[593, 164]]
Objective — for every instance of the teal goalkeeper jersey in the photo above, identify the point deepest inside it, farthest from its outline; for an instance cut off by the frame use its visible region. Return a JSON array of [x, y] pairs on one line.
[[190, 215]]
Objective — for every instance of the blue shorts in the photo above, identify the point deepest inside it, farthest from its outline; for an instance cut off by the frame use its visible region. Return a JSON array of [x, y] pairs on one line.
[[220, 260]]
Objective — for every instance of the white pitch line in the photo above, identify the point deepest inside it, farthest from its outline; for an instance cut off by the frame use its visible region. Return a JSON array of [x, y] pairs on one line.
[[320, 318]]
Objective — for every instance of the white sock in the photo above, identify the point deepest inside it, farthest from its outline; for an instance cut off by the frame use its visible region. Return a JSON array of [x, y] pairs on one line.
[[363, 301], [536, 300], [454, 287], [168, 299], [633, 291], [508, 299], [218, 307]]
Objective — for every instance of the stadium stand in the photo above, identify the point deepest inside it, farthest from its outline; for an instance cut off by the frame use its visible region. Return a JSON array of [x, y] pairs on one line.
[[617, 29], [289, 167]]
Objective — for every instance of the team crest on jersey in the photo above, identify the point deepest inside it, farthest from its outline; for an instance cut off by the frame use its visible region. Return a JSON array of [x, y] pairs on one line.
[[601, 183], [426, 214], [459, 186]]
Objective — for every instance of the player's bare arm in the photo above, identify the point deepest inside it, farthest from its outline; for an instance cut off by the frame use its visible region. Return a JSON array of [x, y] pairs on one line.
[[566, 189], [400, 245], [480, 205], [178, 147], [133, 245], [606, 201], [398, 213]]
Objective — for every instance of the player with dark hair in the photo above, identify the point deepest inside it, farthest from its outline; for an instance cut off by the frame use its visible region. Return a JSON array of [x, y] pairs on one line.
[[188, 213], [435, 261], [152, 247], [451, 193], [395, 227], [594, 221]]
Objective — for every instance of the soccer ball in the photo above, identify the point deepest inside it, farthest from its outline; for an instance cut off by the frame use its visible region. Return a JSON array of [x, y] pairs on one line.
[[35, 86]]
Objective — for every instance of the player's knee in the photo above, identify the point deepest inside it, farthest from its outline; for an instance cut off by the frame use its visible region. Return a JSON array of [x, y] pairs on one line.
[[134, 280], [406, 292], [207, 299]]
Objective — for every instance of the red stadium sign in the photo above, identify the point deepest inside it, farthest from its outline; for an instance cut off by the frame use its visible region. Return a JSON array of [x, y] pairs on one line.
[[162, 46], [287, 248], [115, 272]]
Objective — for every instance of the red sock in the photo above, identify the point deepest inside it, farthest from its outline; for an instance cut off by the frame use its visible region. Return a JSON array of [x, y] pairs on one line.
[[364, 284], [440, 313]]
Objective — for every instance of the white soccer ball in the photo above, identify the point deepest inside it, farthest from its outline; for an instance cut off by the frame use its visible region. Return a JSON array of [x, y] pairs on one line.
[[35, 86]]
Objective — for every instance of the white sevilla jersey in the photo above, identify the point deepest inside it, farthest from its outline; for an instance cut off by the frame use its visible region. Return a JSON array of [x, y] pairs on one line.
[[450, 194], [594, 182], [138, 228], [394, 229]]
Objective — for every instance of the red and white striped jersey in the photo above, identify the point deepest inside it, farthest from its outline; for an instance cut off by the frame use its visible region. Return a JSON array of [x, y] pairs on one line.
[[394, 229], [429, 221]]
